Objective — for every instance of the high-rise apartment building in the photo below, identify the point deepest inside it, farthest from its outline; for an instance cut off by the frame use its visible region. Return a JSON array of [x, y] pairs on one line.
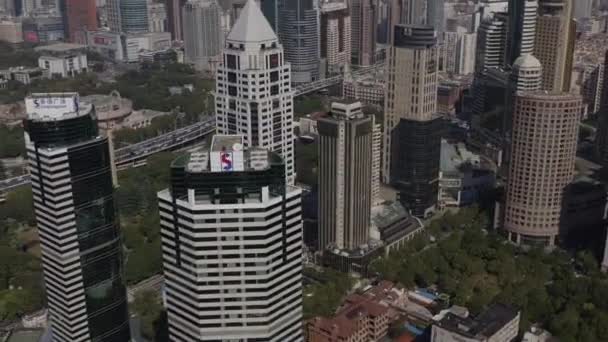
[[543, 151], [174, 18], [412, 137], [555, 36], [521, 29], [79, 16], [299, 33], [71, 176], [202, 33], [345, 176], [232, 246], [364, 24], [253, 94], [335, 36]]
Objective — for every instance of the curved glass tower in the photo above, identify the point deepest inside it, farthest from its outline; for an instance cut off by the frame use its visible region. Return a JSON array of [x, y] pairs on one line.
[[71, 175], [134, 15], [299, 35]]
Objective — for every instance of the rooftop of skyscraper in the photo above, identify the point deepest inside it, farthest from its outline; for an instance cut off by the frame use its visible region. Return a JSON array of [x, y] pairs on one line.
[[227, 154], [55, 106]]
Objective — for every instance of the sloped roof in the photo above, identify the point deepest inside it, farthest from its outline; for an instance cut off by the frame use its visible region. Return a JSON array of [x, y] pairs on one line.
[[251, 26]]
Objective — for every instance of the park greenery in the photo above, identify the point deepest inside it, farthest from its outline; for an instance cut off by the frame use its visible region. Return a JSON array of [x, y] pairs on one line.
[[307, 161], [148, 89], [152, 316], [476, 267], [324, 295], [12, 55], [304, 105], [11, 142], [20, 272], [137, 204]]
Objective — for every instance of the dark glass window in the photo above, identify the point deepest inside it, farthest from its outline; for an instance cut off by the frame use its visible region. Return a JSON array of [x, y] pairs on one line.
[[231, 61]]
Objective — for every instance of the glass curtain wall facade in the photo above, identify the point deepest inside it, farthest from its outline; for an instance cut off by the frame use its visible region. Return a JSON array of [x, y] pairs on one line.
[[73, 193]]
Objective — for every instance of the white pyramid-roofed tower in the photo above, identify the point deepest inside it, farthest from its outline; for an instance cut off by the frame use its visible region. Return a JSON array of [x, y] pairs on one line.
[[251, 26], [253, 94]]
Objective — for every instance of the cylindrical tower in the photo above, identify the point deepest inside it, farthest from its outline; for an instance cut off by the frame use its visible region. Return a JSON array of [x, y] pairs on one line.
[[543, 151]]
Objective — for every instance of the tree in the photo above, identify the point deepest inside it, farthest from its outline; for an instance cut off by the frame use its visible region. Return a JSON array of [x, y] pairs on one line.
[[150, 311], [18, 206]]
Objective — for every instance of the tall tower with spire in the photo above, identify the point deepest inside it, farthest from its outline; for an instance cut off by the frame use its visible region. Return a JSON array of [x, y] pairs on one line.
[[253, 93]]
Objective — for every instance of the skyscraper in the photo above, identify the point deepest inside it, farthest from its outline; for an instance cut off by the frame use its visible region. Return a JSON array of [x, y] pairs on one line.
[[555, 36], [71, 175], [134, 15], [412, 137], [521, 29], [80, 16], [414, 12], [113, 15], [270, 8], [364, 24], [335, 36], [543, 151], [232, 246], [262, 114], [583, 9], [299, 33], [157, 16], [435, 15], [345, 176], [490, 54], [526, 76], [174, 18], [202, 33], [601, 136]]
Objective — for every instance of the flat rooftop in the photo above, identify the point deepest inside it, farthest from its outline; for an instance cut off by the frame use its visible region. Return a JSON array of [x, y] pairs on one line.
[[60, 47], [226, 142], [484, 325]]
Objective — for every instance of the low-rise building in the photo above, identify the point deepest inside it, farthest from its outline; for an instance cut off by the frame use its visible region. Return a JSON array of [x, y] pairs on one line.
[[63, 59], [463, 176], [111, 109], [142, 42], [24, 75], [161, 57], [359, 319], [123, 47], [499, 323], [11, 30], [367, 88], [393, 225], [537, 334], [43, 29]]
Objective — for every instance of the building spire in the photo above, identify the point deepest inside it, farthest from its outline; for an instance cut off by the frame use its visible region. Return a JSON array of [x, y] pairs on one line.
[[251, 25]]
